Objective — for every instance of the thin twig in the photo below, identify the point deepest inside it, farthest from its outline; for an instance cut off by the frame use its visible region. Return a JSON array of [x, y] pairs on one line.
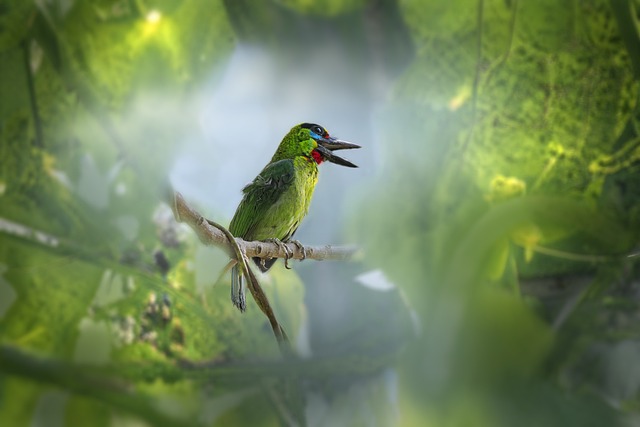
[[86, 382], [35, 113], [256, 290], [476, 77], [505, 56], [210, 235], [281, 407]]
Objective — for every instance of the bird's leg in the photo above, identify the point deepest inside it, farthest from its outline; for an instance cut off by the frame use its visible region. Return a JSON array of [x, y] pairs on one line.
[[287, 252], [241, 259], [225, 270], [301, 247]]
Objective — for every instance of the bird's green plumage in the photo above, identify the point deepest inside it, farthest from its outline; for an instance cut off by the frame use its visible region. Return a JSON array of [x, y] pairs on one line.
[[277, 200]]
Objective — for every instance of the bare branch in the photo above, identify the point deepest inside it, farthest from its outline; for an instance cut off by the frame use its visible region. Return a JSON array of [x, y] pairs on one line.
[[211, 233], [212, 236], [256, 290]]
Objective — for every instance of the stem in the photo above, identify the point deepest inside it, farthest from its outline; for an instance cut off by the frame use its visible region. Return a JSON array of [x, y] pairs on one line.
[[37, 122], [210, 235], [256, 290]]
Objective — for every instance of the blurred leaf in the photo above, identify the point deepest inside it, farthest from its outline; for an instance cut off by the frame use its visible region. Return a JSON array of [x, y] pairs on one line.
[[15, 17], [497, 263], [83, 411], [324, 7], [13, 84], [506, 340], [596, 230], [53, 293], [545, 25], [623, 10], [7, 294], [508, 154]]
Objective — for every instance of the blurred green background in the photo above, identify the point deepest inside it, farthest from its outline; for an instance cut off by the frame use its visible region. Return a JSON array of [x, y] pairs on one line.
[[497, 206]]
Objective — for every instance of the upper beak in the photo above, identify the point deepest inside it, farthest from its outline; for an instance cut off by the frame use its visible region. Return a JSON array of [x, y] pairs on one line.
[[326, 146]]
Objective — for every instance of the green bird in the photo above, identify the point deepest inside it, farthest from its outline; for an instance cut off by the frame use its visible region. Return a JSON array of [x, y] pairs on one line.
[[276, 201]]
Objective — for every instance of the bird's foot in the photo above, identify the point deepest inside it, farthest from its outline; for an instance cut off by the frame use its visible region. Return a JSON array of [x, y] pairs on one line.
[[238, 297], [287, 252], [301, 247]]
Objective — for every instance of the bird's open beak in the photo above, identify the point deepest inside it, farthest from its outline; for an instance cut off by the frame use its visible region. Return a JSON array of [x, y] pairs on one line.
[[326, 146]]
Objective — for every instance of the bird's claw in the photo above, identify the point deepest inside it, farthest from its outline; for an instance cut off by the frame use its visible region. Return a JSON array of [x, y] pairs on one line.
[[287, 252], [302, 249]]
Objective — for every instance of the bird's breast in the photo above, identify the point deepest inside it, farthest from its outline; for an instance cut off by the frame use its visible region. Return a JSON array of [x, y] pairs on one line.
[[285, 215], [305, 180]]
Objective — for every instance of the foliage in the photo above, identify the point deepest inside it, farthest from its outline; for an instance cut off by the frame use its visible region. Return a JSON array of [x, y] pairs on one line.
[[512, 113], [502, 212]]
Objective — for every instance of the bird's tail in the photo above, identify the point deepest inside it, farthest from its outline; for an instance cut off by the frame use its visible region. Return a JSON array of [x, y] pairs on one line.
[[237, 289]]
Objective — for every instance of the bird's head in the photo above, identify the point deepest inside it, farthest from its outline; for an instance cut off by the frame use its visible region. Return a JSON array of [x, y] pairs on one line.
[[313, 142]]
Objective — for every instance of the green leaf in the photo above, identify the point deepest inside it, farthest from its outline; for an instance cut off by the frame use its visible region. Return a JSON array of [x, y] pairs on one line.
[[15, 19]]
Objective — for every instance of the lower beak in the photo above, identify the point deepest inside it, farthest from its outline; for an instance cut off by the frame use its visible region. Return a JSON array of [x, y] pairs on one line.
[[326, 146]]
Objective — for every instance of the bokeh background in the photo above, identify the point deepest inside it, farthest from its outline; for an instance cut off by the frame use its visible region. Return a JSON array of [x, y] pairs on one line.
[[496, 208]]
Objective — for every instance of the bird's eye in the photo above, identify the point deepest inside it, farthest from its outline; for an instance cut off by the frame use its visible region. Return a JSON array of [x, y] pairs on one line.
[[318, 130]]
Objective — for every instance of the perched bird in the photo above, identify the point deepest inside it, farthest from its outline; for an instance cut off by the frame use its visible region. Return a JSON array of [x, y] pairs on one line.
[[275, 202]]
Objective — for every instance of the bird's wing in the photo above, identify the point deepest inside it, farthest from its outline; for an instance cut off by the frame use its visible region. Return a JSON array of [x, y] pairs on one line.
[[262, 193]]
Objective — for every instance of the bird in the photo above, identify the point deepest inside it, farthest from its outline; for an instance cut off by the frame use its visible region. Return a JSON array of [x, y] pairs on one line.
[[276, 201]]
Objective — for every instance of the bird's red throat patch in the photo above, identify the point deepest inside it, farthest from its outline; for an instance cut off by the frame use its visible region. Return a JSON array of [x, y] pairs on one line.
[[317, 156]]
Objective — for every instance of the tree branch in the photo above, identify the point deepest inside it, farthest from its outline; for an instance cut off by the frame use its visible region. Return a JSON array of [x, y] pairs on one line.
[[476, 77], [88, 382], [210, 235], [35, 113], [256, 290]]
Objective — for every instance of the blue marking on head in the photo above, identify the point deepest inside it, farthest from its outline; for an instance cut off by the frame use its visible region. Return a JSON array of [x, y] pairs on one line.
[[314, 135]]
